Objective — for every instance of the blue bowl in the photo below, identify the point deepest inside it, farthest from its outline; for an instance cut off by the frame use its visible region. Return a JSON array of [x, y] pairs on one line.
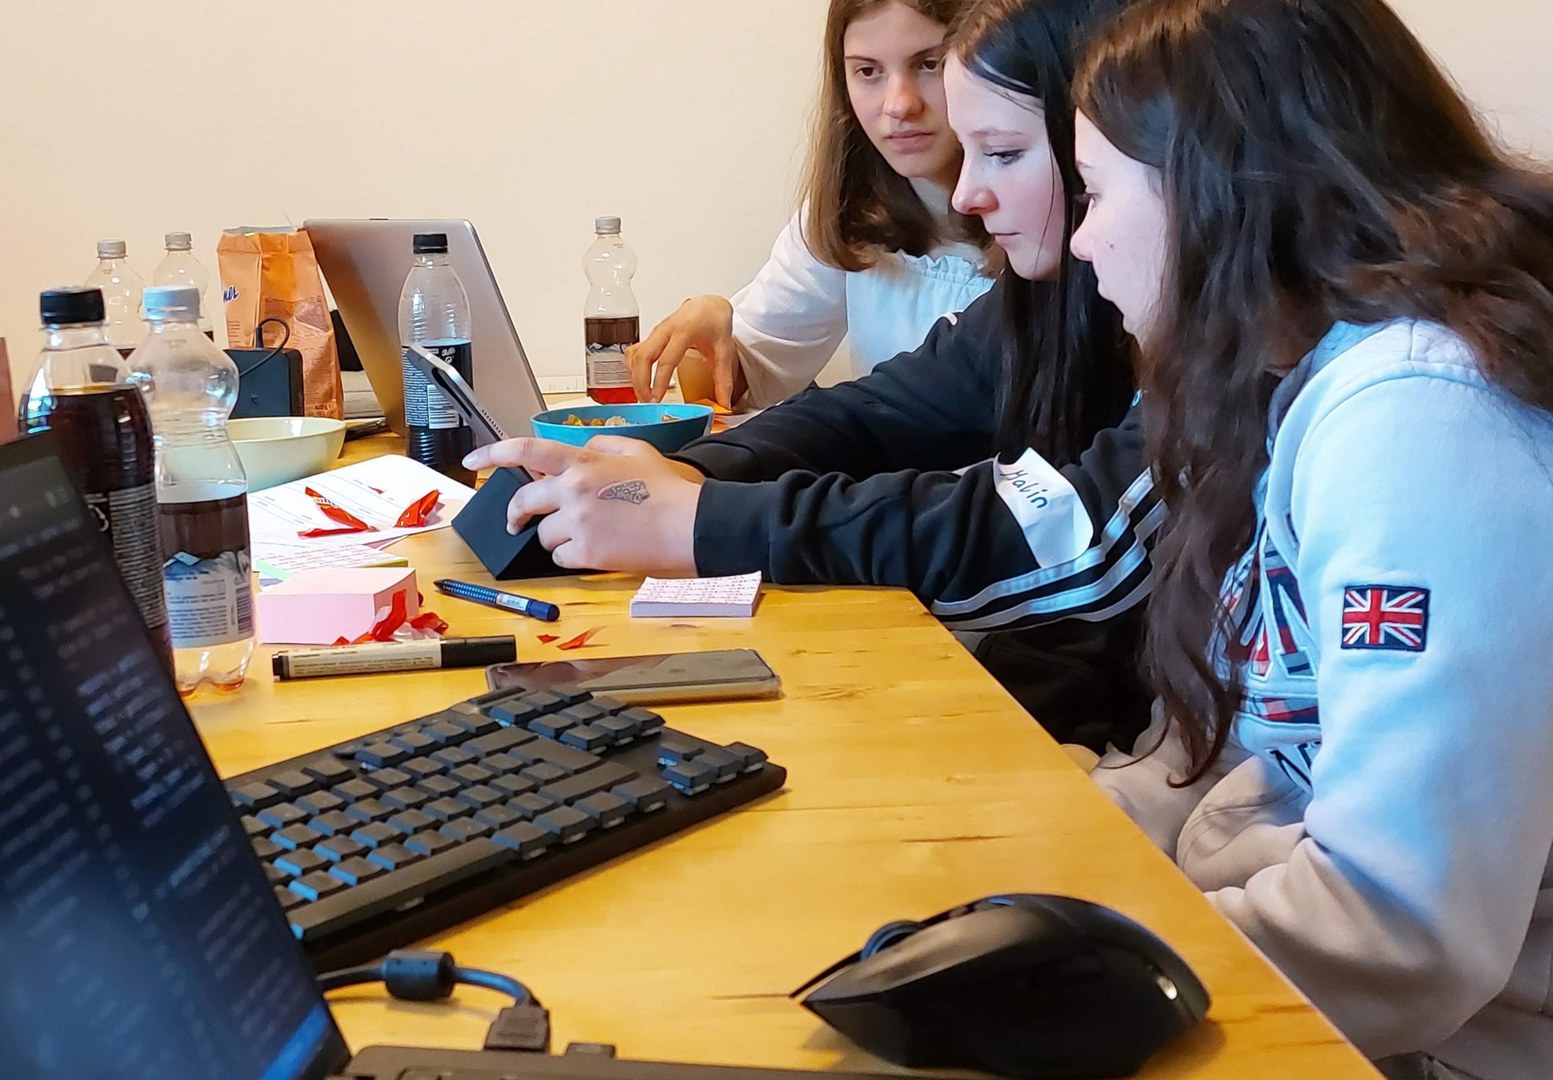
[[646, 422]]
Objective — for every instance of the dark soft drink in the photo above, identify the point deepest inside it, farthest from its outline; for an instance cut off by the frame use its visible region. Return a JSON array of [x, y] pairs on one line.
[[104, 436], [436, 434], [434, 314]]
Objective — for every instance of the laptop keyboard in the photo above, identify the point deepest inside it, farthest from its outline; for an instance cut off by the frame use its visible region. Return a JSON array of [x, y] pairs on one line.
[[379, 841]]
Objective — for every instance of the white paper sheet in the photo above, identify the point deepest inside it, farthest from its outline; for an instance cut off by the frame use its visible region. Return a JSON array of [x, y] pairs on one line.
[[375, 491]]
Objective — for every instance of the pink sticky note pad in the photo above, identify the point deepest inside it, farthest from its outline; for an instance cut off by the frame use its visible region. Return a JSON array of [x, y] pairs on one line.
[[318, 607]]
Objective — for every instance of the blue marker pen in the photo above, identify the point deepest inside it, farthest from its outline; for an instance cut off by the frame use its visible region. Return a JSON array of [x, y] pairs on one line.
[[496, 598]]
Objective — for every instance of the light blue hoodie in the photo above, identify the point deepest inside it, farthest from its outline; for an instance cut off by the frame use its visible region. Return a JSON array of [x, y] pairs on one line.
[[1381, 822]]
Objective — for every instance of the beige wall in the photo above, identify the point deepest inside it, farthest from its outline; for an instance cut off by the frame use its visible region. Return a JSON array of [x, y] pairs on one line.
[[132, 117], [529, 117], [1501, 54]]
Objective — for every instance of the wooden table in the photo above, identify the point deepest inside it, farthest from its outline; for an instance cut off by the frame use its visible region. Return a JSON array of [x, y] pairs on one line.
[[915, 783]]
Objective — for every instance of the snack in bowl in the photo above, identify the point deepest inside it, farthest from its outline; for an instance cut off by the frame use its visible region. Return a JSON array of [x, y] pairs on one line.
[[614, 421], [668, 427]]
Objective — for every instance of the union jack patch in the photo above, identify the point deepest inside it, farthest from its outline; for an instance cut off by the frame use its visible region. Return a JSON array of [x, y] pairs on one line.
[[1383, 617]]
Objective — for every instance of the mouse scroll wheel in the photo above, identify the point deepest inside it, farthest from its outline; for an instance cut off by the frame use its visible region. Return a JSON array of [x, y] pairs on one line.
[[1169, 988]]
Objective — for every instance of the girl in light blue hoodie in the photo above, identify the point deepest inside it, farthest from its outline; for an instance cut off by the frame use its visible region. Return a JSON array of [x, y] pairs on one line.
[[1344, 297]]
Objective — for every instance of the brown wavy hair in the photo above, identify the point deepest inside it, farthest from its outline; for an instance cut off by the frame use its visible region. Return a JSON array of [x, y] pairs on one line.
[[858, 206], [1316, 166]]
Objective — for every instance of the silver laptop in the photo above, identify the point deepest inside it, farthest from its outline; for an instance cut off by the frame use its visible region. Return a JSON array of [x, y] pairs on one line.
[[365, 262]]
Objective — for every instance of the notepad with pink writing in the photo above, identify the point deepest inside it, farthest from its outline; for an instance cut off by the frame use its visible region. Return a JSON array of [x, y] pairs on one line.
[[708, 597]]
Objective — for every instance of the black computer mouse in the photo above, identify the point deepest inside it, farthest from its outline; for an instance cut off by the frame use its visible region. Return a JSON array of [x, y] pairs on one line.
[[1022, 985]]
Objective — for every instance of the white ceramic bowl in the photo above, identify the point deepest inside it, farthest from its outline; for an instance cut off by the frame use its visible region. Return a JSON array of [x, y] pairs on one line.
[[276, 449]]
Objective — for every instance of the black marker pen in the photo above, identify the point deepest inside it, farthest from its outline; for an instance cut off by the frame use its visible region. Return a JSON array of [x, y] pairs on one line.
[[386, 656]]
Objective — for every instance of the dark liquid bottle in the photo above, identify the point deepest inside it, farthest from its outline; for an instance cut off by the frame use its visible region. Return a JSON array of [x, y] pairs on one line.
[[611, 321], [434, 314], [82, 392]]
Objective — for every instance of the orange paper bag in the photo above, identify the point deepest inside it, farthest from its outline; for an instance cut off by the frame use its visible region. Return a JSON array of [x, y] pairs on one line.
[[273, 274]]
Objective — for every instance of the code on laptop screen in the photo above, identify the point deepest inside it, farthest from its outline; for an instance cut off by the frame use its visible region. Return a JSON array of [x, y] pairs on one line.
[[140, 937]]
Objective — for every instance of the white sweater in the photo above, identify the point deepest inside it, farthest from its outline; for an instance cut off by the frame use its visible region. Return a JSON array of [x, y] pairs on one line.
[[1381, 822], [790, 320]]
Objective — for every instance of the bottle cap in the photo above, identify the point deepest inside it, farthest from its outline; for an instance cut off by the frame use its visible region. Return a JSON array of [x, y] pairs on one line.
[[607, 226], [163, 303], [179, 241], [71, 305], [435, 243], [111, 249]]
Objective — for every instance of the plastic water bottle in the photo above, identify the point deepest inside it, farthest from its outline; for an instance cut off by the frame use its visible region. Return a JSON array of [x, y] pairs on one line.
[[611, 320], [82, 391], [121, 288], [434, 314], [202, 492], [180, 267]]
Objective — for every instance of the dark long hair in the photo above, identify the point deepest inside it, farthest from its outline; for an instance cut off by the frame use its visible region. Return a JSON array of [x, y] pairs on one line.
[[1067, 364], [1316, 166], [858, 207]]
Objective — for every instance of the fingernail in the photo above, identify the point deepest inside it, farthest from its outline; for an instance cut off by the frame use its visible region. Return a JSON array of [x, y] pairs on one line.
[[469, 461]]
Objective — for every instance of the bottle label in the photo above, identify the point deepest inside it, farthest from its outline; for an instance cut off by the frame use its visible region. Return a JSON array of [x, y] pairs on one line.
[[209, 601], [607, 368], [607, 338], [425, 406], [128, 518]]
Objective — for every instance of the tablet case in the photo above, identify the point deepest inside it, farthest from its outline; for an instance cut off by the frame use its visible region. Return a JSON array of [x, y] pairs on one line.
[[482, 524]]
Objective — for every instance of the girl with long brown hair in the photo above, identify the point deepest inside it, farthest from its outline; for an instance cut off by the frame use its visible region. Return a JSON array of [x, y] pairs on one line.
[[856, 484], [874, 252], [1344, 296]]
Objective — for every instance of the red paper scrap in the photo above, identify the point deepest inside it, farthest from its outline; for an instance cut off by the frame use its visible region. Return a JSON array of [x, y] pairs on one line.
[[337, 514], [545, 639], [580, 640], [388, 628], [310, 534], [430, 620], [418, 512], [397, 614]]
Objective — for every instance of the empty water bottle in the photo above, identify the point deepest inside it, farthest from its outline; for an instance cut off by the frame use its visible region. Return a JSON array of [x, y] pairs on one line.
[[180, 267], [121, 288]]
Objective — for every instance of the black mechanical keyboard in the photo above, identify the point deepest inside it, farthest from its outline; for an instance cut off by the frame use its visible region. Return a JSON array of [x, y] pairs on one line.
[[383, 840]]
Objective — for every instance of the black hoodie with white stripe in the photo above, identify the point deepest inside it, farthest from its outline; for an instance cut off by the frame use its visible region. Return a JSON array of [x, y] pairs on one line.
[[853, 485]]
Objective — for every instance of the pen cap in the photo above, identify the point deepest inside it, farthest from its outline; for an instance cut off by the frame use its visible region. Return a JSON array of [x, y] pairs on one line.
[[478, 651]]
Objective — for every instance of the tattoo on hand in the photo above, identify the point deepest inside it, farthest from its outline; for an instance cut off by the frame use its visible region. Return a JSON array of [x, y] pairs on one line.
[[631, 491]]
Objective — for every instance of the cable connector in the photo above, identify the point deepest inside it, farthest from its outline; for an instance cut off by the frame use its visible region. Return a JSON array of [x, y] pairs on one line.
[[520, 1027], [419, 974]]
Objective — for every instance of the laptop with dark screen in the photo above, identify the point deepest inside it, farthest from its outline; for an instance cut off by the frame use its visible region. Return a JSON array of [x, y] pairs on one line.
[[139, 936]]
